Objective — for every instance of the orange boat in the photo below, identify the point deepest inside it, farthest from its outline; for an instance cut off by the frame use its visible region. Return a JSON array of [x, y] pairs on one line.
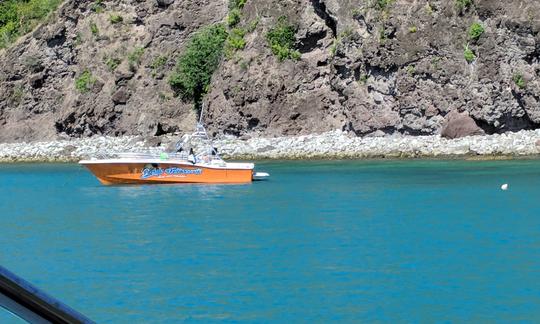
[[148, 169], [201, 165]]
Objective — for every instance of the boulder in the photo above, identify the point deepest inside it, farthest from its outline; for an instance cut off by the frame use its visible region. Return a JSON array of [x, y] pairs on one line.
[[120, 97], [164, 3], [460, 125]]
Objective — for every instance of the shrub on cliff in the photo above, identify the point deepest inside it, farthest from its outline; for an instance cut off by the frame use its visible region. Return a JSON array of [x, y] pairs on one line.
[[469, 55], [235, 41], [281, 39], [85, 81], [519, 80], [475, 31], [234, 17], [196, 65], [18, 17], [237, 4]]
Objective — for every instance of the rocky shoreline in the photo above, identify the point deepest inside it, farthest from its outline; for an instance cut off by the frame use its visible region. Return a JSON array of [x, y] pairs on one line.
[[330, 145]]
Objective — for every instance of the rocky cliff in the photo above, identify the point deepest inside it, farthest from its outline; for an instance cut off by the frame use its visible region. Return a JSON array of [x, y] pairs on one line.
[[373, 67]]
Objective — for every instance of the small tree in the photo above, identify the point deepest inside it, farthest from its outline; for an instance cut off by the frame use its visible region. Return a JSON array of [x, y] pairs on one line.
[[196, 65]]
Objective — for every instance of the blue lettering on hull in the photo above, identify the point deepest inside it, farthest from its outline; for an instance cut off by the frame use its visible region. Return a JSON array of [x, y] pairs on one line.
[[169, 172]]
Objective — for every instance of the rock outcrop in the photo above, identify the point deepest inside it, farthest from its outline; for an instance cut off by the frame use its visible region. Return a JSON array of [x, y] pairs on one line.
[[460, 125], [373, 68]]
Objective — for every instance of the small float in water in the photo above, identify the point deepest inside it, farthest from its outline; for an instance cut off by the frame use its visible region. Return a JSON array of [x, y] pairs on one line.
[[195, 161]]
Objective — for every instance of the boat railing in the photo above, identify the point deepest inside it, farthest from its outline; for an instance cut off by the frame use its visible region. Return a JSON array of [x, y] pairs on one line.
[[160, 156], [181, 156]]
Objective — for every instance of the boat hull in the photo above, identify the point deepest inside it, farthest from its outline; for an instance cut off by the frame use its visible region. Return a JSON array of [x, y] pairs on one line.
[[118, 172]]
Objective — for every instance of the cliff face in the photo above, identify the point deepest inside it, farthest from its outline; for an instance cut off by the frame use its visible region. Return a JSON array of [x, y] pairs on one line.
[[372, 67], [125, 90]]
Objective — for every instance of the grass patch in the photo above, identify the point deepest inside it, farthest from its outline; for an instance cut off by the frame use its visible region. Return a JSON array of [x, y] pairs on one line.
[[97, 6], [235, 41], [468, 54], [519, 81], [411, 70], [413, 29], [197, 64], [115, 19], [237, 4], [475, 31], [357, 13], [94, 29], [463, 4], [112, 63], [234, 17], [85, 81], [382, 4], [18, 17], [281, 39], [362, 79], [17, 95], [253, 25], [78, 40], [159, 62], [135, 57]]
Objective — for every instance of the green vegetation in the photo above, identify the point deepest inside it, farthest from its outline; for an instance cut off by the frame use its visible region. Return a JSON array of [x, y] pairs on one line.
[[363, 79], [253, 25], [97, 6], [159, 62], [334, 47], [235, 12], [382, 4], [411, 70], [115, 18], [413, 29], [18, 17], [78, 40], [382, 34], [234, 17], [344, 35], [17, 94], [469, 54], [244, 65], [163, 97], [475, 31], [134, 57], [237, 4], [281, 40], [463, 4], [112, 63], [435, 62], [235, 41], [85, 81], [519, 80], [429, 8], [196, 65], [94, 29]]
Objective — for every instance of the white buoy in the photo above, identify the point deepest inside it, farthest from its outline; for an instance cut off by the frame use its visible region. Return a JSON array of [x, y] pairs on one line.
[[504, 186]]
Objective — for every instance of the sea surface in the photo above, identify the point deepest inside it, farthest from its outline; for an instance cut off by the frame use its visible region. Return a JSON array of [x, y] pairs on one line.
[[340, 241]]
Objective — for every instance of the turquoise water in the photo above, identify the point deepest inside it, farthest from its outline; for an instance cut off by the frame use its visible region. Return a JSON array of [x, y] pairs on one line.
[[416, 241]]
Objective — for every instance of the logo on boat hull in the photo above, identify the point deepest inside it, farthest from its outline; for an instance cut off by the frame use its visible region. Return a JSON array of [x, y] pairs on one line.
[[169, 172]]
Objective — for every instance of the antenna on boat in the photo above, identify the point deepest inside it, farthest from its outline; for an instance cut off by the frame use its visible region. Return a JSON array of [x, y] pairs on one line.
[[201, 114]]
